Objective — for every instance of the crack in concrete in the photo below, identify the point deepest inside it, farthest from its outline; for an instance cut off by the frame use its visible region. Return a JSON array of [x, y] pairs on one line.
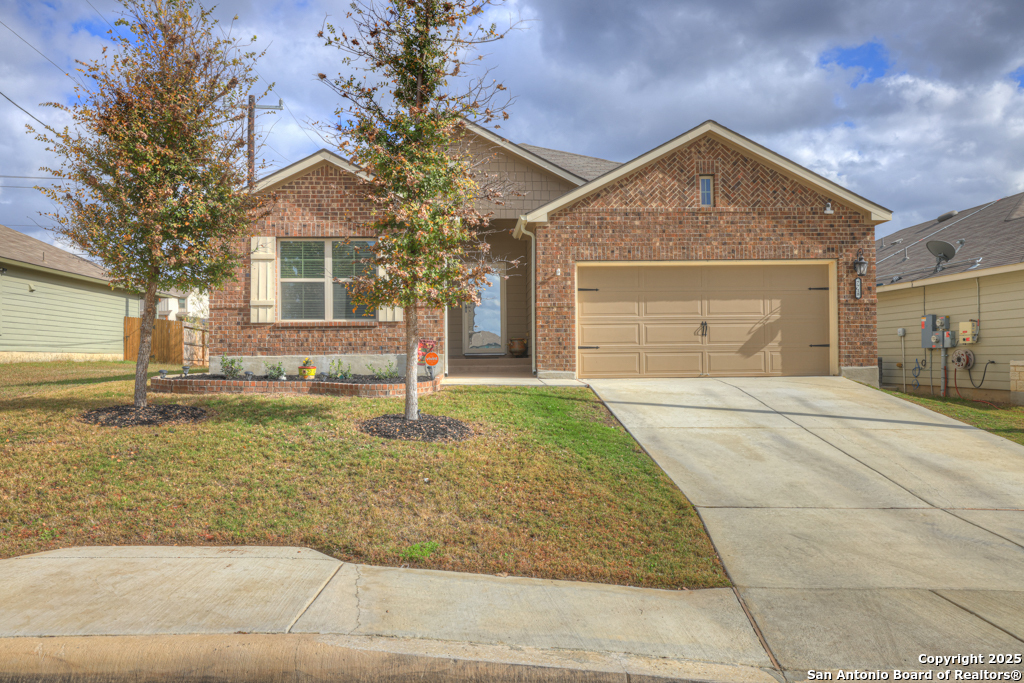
[[359, 601]]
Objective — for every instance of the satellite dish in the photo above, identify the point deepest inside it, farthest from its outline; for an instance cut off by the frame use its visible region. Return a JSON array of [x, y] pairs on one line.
[[944, 251]]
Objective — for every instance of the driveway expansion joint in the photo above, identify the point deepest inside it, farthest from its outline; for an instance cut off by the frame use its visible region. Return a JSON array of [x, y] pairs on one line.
[[309, 604]]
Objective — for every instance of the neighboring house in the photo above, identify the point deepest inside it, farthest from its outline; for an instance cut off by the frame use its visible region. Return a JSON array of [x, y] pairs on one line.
[[983, 282], [709, 255], [181, 305], [57, 306]]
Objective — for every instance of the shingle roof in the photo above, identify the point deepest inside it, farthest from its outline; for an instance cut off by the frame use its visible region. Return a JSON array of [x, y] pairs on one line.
[[577, 164], [17, 246], [993, 235]]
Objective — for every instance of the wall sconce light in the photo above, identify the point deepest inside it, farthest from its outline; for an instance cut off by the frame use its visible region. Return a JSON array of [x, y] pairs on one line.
[[558, 272], [860, 266], [828, 208]]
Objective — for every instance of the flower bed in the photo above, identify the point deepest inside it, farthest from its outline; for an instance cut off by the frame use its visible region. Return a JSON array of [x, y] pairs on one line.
[[357, 386]]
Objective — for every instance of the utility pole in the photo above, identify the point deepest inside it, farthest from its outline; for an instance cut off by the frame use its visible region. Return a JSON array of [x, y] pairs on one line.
[[252, 133]]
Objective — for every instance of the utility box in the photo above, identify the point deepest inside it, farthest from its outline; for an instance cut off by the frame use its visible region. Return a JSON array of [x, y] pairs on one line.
[[933, 328], [968, 332]]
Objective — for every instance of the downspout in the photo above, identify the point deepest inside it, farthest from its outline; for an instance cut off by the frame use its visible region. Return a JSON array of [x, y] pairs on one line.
[[521, 230], [445, 369]]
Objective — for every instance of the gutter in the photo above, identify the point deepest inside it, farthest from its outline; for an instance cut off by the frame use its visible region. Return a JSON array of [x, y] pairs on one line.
[[952, 277], [518, 233]]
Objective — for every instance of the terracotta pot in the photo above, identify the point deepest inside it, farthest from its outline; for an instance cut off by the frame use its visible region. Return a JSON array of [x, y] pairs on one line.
[[307, 371], [517, 347]]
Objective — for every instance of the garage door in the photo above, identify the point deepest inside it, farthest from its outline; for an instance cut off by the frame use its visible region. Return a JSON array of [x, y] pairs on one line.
[[692, 321]]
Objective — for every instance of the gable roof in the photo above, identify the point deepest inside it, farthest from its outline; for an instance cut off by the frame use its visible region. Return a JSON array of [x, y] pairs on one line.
[[875, 213], [993, 235], [303, 165], [578, 164], [17, 248]]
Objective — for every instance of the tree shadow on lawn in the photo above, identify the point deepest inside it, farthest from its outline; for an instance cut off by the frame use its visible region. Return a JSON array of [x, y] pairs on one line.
[[85, 380]]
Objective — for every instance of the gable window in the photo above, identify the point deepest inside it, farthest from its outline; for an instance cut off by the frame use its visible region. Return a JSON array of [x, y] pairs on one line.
[[707, 190], [307, 272]]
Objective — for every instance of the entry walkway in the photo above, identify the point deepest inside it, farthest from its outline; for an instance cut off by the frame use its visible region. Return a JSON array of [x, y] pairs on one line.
[[860, 529]]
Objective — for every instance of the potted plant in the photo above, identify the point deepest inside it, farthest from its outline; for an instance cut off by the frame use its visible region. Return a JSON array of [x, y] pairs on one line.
[[307, 370], [517, 347]]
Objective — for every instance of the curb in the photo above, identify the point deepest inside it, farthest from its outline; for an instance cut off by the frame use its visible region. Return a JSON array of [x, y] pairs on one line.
[[283, 658]]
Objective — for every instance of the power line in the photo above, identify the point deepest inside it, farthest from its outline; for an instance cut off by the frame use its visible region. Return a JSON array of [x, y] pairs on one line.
[[285, 106], [37, 50], [17, 187], [23, 109], [105, 19], [31, 177]]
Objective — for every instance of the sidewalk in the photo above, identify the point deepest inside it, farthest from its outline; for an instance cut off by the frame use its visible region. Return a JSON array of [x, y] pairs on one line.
[[254, 612]]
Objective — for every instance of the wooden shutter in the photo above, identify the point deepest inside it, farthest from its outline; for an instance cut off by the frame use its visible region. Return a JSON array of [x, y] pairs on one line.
[[389, 314], [262, 280]]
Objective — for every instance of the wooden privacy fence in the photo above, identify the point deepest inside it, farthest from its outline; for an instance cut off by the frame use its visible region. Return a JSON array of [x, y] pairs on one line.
[[174, 342]]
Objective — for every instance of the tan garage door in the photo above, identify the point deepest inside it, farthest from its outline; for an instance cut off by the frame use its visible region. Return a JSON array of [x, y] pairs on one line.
[[691, 321]]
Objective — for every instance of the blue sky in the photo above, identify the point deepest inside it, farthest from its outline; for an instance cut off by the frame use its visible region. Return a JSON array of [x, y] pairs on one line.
[[917, 105]]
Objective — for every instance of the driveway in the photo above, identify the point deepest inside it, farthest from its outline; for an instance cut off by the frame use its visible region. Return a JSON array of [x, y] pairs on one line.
[[860, 530]]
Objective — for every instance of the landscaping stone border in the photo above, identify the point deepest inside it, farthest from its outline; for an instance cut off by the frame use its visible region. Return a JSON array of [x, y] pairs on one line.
[[256, 386]]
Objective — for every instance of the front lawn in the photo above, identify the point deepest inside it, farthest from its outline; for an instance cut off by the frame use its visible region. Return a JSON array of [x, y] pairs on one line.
[[1004, 420], [551, 486]]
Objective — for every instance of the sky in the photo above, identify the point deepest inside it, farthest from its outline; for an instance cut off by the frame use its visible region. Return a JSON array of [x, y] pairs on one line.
[[917, 105]]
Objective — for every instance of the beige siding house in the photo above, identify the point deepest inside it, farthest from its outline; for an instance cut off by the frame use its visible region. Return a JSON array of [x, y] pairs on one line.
[[983, 282]]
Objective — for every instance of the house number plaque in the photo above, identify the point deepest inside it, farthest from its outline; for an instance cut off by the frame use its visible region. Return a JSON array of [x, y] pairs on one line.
[[857, 288]]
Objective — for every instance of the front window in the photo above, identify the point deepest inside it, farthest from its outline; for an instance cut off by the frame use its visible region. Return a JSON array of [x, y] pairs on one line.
[[308, 269], [707, 190]]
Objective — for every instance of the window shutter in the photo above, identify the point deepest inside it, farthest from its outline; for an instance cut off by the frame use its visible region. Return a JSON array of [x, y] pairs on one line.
[[262, 277], [389, 314]]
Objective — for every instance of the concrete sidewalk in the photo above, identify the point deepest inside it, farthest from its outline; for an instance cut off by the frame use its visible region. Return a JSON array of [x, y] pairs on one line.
[[180, 610]]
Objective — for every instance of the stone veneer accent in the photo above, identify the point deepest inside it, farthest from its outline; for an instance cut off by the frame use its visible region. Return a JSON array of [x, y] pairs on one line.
[[1017, 382], [225, 386], [654, 214]]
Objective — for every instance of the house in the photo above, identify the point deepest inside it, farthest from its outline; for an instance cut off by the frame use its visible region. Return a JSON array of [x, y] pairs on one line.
[[983, 282], [709, 255], [181, 305]]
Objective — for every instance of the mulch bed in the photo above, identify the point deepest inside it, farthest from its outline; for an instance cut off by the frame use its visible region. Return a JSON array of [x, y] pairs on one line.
[[427, 428], [355, 379], [151, 415]]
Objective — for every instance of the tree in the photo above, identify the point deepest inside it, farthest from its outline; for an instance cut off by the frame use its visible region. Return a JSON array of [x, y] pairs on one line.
[[403, 120], [154, 170]]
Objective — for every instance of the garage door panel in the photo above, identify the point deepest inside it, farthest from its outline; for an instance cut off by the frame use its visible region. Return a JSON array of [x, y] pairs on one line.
[[736, 303], [593, 304], [799, 361], [736, 333], [735, 362], [671, 278], [625, 364], [608, 334], [681, 334], [797, 303], [797, 332], [730, 278], [666, 304], [673, 364], [610, 278], [795, 278]]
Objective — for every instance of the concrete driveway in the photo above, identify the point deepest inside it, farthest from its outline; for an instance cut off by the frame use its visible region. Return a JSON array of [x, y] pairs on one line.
[[861, 530]]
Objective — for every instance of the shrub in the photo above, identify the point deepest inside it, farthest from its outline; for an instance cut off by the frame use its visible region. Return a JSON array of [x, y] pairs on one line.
[[388, 372], [274, 370], [338, 370], [231, 367]]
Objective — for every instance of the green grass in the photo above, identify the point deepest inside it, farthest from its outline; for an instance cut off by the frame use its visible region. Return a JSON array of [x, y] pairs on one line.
[[1003, 420], [550, 485]]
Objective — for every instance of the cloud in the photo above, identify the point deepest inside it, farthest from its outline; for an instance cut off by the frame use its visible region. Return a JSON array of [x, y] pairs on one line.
[[915, 104]]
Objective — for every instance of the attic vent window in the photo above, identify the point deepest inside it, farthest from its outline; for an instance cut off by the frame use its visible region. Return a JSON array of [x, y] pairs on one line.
[[707, 190]]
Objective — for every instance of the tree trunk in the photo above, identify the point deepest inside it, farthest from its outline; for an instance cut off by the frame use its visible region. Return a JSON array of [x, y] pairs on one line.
[[145, 346], [412, 345]]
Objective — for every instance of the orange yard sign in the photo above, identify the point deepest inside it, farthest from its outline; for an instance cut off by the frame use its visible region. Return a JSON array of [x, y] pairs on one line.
[[431, 359]]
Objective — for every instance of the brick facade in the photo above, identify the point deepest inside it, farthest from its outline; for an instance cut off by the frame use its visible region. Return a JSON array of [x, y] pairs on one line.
[[324, 202], [654, 214]]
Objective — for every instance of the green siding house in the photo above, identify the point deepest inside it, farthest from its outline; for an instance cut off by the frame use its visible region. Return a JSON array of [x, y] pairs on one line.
[[57, 306]]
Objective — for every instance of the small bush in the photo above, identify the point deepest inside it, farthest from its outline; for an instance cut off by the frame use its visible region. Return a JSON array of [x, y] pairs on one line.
[[421, 551], [388, 372], [274, 370], [339, 370], [231, 367]]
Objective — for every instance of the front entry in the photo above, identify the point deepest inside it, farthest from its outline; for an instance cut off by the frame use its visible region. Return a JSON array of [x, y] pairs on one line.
[[703, 320], [483, 324]]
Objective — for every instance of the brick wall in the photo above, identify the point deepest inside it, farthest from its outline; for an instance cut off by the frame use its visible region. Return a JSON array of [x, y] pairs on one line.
[[325, 202], [654, 214]]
